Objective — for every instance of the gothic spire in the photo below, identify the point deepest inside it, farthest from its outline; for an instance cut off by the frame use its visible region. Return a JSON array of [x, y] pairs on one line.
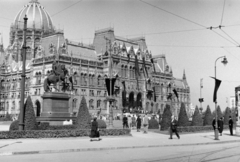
[[184, 75]]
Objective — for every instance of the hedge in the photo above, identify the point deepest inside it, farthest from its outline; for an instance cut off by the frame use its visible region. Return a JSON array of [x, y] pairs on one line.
[[199, 128], [153, 124], [101, 124], [83, 120], [60, 133]]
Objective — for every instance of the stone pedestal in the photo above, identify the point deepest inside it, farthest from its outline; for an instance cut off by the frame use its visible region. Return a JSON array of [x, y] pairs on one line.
[[55, 108]]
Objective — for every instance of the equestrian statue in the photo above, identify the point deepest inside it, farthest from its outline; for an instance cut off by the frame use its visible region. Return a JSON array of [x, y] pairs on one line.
[[59, 74]]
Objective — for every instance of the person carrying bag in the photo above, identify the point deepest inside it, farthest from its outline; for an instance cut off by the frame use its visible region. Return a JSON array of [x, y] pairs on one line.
[[94, 130]]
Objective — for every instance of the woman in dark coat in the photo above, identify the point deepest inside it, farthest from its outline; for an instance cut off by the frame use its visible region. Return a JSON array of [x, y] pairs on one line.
[[220, 126], [139, 120], [94, 130]]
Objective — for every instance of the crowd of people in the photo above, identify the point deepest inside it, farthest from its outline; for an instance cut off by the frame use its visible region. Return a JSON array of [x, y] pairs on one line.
[[220, 125], [136, 121]]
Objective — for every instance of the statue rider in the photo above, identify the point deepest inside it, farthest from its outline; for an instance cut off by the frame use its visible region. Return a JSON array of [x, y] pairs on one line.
[[56, 69]]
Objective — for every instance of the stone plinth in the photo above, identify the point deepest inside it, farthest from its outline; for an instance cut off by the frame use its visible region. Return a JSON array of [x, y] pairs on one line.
[[55, 107]]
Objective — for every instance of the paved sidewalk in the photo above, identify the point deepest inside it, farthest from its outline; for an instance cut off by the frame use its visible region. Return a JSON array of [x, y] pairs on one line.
[[137, 140]]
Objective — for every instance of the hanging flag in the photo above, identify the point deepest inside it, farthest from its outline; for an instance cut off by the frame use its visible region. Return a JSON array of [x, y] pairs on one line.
[[137, 73], [153, 65], [144, 65], [124, 99], [175, 92], [154, 92], [107, 81], [217, 85]]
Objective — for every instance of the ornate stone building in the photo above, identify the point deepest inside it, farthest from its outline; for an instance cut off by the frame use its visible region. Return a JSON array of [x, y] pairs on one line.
[[143, 81]]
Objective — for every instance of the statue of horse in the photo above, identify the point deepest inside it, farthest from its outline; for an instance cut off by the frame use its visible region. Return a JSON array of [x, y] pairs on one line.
[[59, 74]]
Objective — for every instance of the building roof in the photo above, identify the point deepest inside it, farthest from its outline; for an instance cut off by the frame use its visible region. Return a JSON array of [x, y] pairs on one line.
[[38, 17]]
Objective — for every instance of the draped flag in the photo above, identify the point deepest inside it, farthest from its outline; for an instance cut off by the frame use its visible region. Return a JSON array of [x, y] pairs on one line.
[[108, 80], [175, 92], [124, 99], [137, 70], [144, 65], [217, 85], [154, 92]]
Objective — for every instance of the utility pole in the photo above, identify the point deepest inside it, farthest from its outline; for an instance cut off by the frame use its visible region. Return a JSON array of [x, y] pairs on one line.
[[111, 99], [201, 99], [21, 117]]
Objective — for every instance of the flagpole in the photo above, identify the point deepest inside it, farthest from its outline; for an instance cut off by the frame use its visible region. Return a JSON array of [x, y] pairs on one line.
[[216, 116], [200, 93], [216, 119]]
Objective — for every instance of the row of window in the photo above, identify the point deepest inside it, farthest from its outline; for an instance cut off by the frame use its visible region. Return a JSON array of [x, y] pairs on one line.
[[13, 95], [93, 106]]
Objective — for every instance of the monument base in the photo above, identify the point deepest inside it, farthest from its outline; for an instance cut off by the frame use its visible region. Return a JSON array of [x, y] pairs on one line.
[[55, 108]]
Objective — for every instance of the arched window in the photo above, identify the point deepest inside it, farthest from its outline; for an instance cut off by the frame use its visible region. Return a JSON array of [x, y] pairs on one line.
[[133, 73], [7, 106], [99, 80], [85, 79], [98, 103], [93, 79], [91, 106], [122, 71], [125, 71], [130, 72], [105, 104], [13, 105], [74, 103]]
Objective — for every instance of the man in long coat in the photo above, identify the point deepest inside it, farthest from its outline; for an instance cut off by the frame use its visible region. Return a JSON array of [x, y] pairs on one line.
[[230, 124], [173, 128]]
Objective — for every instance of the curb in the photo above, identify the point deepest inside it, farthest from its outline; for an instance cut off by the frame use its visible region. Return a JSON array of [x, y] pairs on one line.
[[107, 148]]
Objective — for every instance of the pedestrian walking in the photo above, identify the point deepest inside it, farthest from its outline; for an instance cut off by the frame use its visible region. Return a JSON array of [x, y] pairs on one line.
[[230, 124], [94, 130], [133, 121], [130, 121], [214, 123], [139, 121], [145, 123], [173, 127], [220, 126], [125, 122]]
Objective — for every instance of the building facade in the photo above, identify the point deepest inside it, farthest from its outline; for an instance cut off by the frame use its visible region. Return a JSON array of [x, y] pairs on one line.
[[143, 81]]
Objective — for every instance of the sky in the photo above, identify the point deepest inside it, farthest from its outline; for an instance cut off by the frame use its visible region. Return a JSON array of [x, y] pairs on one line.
[[177, 28]]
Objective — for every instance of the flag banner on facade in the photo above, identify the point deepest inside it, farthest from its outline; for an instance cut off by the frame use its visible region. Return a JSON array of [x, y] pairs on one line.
[[144, 64], [128, 55], [153, 65], [107, 81], [169, 97], [154, 93], [217, 85], [137, 70], [124, 98], [175, 92]]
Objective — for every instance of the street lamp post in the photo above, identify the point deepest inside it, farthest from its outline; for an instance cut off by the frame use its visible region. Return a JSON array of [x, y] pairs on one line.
[[224, 61], [21, 117]]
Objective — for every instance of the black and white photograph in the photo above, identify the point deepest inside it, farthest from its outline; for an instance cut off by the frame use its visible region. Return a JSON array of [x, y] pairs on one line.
[[119, 80]]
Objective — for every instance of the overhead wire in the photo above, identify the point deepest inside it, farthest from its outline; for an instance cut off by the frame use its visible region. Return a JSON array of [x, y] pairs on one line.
[[230, 53], [188, 46], [230, 37], [172, 13], [66, 8], [224, 38], [223, 12]]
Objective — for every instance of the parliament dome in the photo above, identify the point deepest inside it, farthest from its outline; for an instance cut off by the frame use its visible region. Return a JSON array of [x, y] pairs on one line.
[[38, 17]]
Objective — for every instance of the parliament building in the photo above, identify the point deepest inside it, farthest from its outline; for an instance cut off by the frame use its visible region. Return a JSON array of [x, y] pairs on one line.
[[144, 81]]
